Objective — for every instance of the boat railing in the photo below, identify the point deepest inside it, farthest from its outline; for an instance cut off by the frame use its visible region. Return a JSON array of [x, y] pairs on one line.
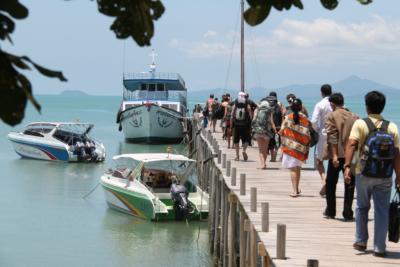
[[154, 75]]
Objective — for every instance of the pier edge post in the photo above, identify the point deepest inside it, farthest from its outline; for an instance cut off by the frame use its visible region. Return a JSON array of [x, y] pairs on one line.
[[281, 242], [253, 199], [242, 184], [228, 168], [233, 177], [265, 217]]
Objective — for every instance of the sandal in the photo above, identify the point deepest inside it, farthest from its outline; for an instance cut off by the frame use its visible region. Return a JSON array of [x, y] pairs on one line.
[[294, 195], [244, 156], [236, 159]]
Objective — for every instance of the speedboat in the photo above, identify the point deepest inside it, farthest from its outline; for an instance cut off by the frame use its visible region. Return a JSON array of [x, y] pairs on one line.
[[58, 141], [155, 186], [154, 107]]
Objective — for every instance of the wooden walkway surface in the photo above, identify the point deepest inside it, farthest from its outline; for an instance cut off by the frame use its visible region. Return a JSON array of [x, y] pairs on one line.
[[308, 234]]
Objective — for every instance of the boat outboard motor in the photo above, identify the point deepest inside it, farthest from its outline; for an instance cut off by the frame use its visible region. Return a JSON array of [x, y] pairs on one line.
[[179, 195]]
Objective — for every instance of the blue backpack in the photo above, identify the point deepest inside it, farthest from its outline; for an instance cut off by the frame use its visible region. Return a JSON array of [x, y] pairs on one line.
[[377, 158]]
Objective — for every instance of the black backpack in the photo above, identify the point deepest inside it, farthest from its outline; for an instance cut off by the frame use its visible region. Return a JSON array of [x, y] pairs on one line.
[[277, 115], [377, 158]]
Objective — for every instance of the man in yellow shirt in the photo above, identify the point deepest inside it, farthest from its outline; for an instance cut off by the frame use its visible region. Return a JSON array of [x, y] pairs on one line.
[[377, 187]]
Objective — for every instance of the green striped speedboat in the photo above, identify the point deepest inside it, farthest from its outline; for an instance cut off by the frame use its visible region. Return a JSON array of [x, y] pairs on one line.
[[141, 183]]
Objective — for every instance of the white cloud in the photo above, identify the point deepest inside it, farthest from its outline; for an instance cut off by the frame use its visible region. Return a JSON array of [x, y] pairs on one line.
[[210, 33], [310, 42]]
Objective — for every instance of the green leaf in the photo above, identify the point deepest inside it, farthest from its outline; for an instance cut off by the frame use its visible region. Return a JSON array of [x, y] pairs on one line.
[[256, 15], [14, 8], [298, 4], [330, 4], [7, 26], [45, 71], [133, 18], [365, 2]]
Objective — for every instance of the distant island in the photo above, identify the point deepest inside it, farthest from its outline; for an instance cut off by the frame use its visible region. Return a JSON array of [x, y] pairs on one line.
[[352, 86], [73, 93]]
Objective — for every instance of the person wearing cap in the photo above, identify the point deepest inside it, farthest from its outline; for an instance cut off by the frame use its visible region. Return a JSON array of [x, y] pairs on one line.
[[240, 119], [296, 139]]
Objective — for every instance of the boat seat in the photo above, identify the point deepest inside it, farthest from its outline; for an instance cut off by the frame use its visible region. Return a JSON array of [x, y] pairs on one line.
[[121, 173]]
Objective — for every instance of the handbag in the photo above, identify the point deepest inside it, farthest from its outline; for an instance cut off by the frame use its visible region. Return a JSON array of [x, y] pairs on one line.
[[394, 218], [314, 136]]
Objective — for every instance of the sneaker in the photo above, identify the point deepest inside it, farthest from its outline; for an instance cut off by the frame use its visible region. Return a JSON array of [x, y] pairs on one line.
[[322, 192], [359, 247]]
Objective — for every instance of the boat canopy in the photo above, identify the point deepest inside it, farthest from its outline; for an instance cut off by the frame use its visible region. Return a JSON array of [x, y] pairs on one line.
[[73, 127], [152, 157]]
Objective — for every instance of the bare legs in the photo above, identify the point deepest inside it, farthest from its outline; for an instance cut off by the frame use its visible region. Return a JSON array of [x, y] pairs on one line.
[[295, 176], [263, 150], [321, 171]]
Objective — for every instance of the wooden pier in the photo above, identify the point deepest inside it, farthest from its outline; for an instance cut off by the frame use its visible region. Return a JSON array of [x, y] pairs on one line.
[[254, 222]]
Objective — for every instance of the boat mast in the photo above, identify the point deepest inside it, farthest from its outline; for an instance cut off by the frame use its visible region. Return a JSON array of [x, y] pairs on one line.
[[153, 61], [241, 46]]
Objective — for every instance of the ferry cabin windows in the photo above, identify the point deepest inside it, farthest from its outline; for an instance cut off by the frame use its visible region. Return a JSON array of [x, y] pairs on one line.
[[151, 87]]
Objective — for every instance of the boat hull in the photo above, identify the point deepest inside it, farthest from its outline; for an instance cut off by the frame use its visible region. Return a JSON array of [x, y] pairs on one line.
[[140, 205], [40, 151], [152, 124]]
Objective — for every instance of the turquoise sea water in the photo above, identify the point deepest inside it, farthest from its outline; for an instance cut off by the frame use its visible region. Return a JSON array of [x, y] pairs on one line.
[[46, 222]]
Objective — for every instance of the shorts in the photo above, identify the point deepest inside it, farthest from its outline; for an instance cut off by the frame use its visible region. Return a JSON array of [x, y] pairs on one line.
[[241, 133]]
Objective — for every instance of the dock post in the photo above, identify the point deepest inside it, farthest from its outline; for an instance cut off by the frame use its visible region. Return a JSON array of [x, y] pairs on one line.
[[281, 242], [223, 160], [312, 263], [242, 240], [265, 217], [247, 229], [253, 247], [216, 216], [253, 199], [222, 224], [233, 177], [242, 184], [262, 252], [232, 230], [228, 167], [219, 156]]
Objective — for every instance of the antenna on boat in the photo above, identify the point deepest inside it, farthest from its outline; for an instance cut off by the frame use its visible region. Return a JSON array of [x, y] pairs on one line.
[[242, 46], [153, 61]]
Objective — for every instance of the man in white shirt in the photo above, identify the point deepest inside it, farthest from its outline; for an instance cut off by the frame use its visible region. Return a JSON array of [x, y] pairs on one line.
[[321, 110]]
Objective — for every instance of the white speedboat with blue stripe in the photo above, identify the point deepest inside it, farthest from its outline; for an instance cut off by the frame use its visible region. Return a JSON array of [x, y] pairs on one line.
[[58, 141]]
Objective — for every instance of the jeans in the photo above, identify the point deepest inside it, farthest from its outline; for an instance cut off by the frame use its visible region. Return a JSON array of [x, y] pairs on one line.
[[332, 177], [379, 189]]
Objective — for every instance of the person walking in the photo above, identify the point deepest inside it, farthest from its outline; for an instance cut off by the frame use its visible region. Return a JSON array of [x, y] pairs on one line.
[[208, 108], [338, 124], [296, 139], [288, 109], [278, 116], [226, 120], [263, 128], [376, 142], [241, 116], [321, 110]]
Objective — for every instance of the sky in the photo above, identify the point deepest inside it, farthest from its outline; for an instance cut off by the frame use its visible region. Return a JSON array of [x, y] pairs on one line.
[[200, 41]]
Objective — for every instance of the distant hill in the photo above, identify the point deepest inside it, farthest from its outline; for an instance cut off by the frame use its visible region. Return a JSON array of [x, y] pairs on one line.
[[352, 86], [73, 93]]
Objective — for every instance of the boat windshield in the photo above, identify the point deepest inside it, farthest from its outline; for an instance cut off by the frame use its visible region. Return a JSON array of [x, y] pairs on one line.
[[75, 128]]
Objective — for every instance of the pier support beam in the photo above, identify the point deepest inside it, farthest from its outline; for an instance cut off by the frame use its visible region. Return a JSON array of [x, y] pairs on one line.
[[232, 230]]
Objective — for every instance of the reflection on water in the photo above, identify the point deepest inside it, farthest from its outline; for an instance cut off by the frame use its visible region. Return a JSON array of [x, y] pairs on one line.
[[46, 222]]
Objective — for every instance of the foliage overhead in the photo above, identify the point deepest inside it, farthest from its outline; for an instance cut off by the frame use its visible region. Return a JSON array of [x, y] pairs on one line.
[[260, 9], [15, 88], [133, 18]]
